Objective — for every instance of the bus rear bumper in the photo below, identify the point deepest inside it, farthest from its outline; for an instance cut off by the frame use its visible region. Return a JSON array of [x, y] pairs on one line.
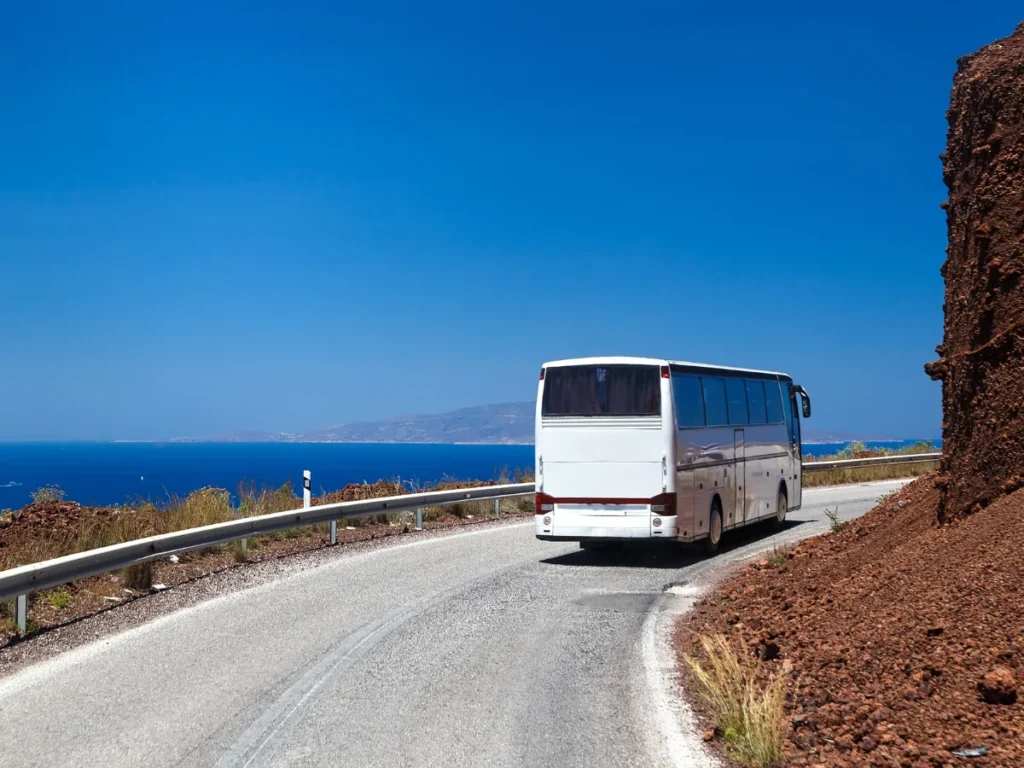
[[643, 528]]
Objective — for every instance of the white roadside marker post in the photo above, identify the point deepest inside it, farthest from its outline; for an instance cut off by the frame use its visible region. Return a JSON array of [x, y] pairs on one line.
[[306, 489], [21, 612]]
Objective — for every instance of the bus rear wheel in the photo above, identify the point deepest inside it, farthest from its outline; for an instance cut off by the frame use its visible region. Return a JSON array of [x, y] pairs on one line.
[[781, 508], [714, 537]]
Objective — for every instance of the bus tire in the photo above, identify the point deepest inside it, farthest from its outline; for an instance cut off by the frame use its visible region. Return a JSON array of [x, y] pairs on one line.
[[714, 537], [781, 508]]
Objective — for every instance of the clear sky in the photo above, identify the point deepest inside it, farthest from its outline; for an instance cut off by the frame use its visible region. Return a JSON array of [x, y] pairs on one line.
[[280, 216]]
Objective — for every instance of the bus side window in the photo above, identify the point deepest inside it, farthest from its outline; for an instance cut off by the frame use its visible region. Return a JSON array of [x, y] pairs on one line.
[[714, 401], [773, 401], [686, 391], [755, 401], [736, 393]]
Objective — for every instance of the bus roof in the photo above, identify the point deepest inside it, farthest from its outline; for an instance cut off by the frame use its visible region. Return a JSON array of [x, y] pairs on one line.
[[658, 361]]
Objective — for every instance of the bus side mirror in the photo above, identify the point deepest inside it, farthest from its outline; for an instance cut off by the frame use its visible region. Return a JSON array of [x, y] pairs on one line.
[[805, 400]]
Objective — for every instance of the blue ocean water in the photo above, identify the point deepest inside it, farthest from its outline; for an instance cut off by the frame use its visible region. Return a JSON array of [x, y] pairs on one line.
[[117, 473]]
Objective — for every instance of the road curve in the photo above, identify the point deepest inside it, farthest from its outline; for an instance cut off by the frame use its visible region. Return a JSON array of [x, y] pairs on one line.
[[484, 648]]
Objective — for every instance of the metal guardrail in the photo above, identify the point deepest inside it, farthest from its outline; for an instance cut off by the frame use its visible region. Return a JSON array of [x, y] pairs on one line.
[[18, 582], [909, 458]]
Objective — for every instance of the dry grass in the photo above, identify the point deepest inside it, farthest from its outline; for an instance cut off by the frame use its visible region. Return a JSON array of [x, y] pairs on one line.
[[139, 577], [93, 529], [870, 474], [81, 530], [748, 713]]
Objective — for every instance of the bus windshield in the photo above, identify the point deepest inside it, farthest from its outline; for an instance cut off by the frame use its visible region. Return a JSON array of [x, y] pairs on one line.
[[602, 390]]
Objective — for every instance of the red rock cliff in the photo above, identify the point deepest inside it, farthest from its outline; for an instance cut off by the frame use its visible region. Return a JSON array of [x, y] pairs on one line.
[[981, 360]]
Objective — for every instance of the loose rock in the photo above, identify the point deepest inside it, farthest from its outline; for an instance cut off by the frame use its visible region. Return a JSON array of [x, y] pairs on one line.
[[998, 686]]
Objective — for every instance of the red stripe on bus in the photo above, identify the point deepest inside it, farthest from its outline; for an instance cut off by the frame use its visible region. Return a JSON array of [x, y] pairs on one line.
[[570, 500]]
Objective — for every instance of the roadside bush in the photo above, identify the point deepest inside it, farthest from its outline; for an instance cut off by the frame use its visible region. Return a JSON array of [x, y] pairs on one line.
[[47, 493]]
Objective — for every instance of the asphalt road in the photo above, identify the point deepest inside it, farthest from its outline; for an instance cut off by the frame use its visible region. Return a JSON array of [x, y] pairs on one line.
[[484, 648]]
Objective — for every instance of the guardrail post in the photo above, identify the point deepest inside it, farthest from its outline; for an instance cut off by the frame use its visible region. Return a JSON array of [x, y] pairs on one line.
[[245, 550], [497, 507], [419, 519], [306, 490], [21, 612]]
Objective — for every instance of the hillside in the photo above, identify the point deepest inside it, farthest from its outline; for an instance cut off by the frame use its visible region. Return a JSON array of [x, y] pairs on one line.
[[501, 423]]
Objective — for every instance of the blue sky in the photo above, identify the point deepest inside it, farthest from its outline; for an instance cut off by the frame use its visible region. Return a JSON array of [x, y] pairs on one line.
[[280, 216]]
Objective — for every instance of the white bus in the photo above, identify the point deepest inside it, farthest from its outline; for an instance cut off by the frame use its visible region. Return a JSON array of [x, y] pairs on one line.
[[640, 448]]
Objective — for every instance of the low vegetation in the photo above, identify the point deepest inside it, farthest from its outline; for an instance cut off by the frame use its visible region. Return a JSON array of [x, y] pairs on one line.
[[58, 598], [833, 519], [858, 450], [47, 493], [746, 705], [52, 527]]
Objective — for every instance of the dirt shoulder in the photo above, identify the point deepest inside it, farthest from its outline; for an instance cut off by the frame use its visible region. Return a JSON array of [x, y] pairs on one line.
[[887, 630]]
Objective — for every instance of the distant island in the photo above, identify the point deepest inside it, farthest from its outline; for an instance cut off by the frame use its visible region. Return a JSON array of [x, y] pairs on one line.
[[500, 424]]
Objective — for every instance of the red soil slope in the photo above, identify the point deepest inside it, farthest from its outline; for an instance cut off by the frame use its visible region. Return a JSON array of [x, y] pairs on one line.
[[890, 626]]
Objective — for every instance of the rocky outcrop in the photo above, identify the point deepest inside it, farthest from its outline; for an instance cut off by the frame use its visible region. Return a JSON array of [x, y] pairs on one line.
[[981, 360]]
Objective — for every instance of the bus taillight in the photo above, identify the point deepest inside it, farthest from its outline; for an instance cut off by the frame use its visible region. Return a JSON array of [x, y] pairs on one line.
[[664, 504], [545, 503]]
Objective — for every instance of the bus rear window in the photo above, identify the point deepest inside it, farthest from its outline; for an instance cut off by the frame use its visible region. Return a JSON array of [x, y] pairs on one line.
[[602, 390]]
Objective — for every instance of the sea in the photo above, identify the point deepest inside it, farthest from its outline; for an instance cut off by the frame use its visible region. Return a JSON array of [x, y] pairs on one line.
[[104, 474]]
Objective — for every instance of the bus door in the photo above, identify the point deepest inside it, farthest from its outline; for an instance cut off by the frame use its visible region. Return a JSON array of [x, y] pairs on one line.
[[796, 451], [740, 470]]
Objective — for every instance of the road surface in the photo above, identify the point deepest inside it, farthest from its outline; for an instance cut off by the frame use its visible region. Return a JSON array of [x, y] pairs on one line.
[[483, 648]]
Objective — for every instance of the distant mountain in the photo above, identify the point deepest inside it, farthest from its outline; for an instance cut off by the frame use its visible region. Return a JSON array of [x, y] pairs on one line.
[[505, 423]]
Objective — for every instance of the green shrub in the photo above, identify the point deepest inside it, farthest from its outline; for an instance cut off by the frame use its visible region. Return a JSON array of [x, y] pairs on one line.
[[58, 598], [833, 518]]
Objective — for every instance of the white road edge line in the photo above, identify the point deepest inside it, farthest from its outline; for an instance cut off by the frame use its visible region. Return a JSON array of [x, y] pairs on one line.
[[674, 740]]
